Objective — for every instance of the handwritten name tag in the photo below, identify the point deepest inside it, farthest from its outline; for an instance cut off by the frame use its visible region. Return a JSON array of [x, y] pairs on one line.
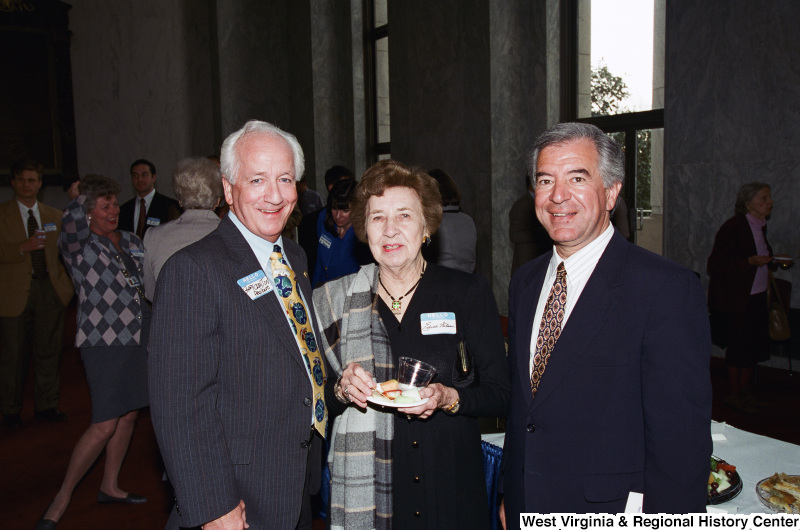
[[438, 323], [255, 285], [49, 227], [325, 240], [153, 221]]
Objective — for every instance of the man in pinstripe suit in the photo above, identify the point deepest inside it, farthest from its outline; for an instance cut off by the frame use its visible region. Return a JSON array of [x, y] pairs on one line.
[[231, 394]]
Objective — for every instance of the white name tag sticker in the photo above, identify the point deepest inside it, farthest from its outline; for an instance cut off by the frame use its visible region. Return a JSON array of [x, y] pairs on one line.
[[49, 227], [153, 221], [137, 253], [438, 323], [325, 240], [255, 285]]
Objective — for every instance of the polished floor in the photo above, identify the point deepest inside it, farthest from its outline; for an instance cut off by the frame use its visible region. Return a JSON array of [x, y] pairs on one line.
[[33, 458]]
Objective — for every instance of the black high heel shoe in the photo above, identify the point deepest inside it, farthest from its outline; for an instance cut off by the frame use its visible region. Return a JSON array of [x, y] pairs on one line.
[[130, 498]]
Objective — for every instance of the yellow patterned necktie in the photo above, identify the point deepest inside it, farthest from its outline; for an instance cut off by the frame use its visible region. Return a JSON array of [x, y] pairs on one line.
[[550, 327], [286, 285]]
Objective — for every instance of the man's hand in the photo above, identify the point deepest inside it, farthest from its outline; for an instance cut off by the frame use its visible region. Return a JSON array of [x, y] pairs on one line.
[[233, 520], [502, 514], [32, 243]]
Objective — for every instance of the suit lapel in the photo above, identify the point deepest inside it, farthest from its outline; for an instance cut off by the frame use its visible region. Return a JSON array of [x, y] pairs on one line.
[[13, 220], [594, 308], [533, 287], [268, 305]]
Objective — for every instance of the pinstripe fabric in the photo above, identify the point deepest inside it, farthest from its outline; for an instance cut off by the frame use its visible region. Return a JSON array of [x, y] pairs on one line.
[[230, 397]]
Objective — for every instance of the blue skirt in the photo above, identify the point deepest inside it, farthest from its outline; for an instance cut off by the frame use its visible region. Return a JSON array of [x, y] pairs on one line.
[[117, 377]]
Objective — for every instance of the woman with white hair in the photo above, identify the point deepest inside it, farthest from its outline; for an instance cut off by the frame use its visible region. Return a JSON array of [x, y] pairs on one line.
[[197, 184]]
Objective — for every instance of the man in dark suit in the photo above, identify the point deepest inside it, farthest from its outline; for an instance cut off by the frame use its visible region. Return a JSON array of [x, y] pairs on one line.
[[157, 209], [610, 384], [235, 378], [36, 289]]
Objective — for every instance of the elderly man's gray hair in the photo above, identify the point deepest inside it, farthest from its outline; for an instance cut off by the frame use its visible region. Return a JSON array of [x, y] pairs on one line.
[[611, 159], [229, 156], [197, 183]]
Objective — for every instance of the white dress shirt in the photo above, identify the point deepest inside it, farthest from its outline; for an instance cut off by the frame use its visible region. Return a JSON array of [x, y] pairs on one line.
[[147, 200], [23, 211], [579, 267]]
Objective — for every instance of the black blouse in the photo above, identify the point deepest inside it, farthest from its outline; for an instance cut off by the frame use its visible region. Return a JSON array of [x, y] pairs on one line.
[[438, 479]]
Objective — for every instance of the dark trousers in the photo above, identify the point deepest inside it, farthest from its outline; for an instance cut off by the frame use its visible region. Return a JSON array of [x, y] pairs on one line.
[[40, 327]]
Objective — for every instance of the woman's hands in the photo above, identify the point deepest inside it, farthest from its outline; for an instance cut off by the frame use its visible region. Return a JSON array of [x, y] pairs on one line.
[[759, 260], [357, 384], [440, 397], [73, 192]]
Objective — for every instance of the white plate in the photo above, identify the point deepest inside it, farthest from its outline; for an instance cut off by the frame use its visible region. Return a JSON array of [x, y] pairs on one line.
[[378, 400]]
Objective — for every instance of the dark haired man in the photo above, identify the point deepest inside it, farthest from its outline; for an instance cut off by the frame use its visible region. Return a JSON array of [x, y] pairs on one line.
[[148, 208]]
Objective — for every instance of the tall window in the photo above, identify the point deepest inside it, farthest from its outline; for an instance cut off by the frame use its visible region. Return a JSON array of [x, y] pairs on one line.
[[377, 91], [614, 78]]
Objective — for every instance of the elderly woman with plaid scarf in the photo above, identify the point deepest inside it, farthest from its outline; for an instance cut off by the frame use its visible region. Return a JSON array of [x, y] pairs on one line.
[[419, 466]]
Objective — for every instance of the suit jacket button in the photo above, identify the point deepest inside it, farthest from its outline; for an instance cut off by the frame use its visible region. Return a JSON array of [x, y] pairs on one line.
[[307, 402], [530, 427], [416, 479], [415, 444], [304, 444], [417, 514]]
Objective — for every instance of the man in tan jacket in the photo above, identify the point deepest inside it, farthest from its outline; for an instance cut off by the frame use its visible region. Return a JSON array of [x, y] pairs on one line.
[[36, 289]]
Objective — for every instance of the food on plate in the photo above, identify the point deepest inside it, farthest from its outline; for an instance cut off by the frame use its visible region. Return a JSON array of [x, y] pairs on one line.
[[391, 390], [721, 478], [784, 492], [388, 389]]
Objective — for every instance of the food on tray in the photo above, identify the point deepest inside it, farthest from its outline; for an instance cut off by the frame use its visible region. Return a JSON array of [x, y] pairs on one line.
[[784, 492], [721, 478], [391, 390]]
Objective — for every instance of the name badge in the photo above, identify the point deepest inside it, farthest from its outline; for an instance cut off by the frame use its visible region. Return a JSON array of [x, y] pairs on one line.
[[133, 281], [438, 323], [325, 241], [255, 285], [137, 253], [49, 227], [153, 221]]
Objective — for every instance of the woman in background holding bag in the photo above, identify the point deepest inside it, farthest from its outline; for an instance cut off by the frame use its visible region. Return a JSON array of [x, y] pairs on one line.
[[738, 268]]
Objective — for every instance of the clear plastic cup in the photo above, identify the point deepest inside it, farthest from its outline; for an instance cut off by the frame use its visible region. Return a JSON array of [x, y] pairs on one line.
[[412, 373]]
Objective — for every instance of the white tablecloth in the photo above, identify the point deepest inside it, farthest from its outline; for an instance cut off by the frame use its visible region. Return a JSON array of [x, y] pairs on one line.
[[756, 457]]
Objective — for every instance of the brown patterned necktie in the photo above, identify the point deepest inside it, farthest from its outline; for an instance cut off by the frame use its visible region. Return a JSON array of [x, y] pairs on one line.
[[550, 327], [142, 218], [37, 256]]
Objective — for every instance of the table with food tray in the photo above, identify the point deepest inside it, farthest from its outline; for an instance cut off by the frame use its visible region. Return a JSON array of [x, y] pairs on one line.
[[756, 458]]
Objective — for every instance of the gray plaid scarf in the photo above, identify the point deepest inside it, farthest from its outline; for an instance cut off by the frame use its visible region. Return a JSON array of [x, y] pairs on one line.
[[361, 445]]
